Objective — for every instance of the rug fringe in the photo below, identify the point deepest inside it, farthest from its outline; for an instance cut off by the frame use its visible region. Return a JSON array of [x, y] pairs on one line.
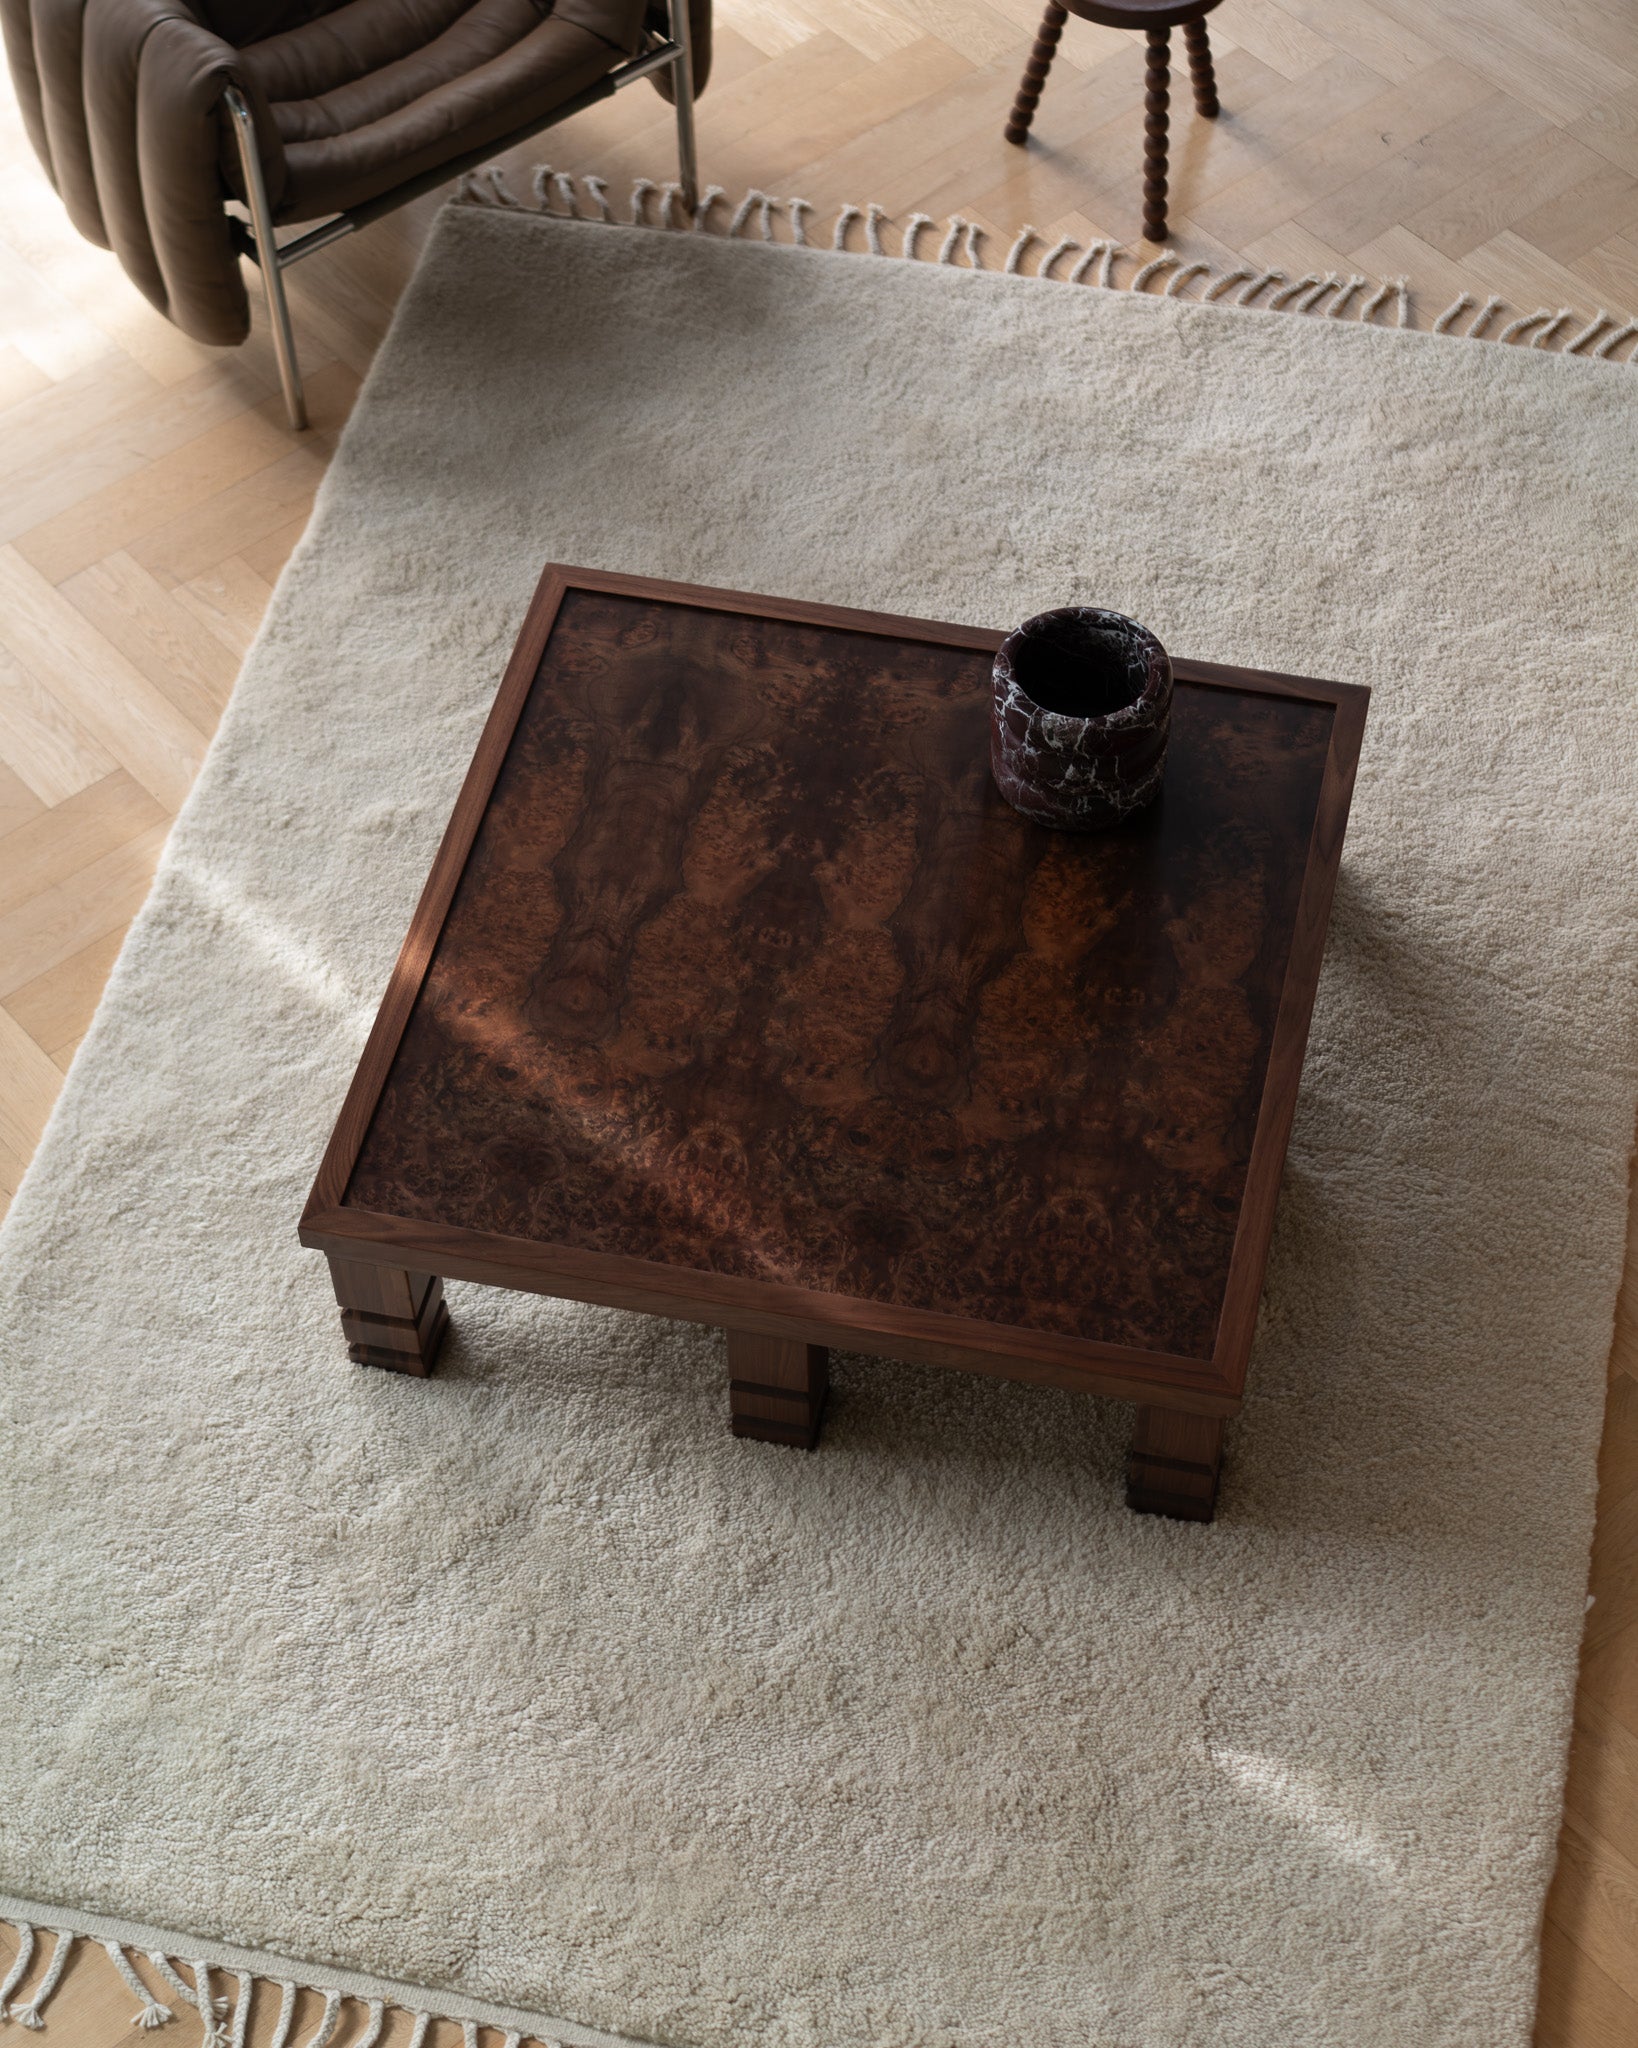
[[960, 247], [241, 2009], [191, 1994], [19, 1964], [152, 2014], [31, 2014], [212, 2009], [214, 2006]]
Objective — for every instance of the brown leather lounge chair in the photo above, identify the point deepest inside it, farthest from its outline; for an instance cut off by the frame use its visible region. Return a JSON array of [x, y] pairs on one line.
[[153, 116]]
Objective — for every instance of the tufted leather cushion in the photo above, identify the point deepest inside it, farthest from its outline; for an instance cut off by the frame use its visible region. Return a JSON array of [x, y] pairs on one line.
[[121, 99], [379, 91]]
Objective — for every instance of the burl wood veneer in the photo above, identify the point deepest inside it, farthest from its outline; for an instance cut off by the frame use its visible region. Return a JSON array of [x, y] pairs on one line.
[[738, 993]]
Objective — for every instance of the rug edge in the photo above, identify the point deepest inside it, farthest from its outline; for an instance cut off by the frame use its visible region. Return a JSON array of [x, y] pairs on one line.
[[313, 1976]]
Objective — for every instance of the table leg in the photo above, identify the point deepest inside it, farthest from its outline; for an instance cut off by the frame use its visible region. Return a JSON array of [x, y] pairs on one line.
[[1174, 1464], [390, 1318], [776, 1390]]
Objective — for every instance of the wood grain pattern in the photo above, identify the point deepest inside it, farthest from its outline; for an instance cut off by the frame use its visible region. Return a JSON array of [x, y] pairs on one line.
[[834, 1021], [1174, 1464], [390, 1318], [901, 101], [776, 1390]]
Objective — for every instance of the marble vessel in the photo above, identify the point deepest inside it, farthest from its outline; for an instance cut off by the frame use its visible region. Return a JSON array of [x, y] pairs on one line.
[[1081, 715]]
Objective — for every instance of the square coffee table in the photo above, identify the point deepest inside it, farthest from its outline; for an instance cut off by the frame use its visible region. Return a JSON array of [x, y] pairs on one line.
[[737, 993]]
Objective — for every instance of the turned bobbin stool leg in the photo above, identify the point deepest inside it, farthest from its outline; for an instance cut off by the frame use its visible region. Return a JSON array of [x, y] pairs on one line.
[[1156, 99], [1035, 71], [1205, 79]]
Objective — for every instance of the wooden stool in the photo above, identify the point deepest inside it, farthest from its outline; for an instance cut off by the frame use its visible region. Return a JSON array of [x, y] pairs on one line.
[[1157, 19]]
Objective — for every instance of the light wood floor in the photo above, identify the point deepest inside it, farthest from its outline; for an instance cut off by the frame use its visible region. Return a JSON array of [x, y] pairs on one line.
[[150, 495]]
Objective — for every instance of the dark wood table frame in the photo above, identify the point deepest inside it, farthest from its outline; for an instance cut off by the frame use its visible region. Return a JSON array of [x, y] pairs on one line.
[[388, 1269]]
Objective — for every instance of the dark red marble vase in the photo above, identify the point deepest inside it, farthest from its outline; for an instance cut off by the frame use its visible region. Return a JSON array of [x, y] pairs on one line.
[[1082, 712]]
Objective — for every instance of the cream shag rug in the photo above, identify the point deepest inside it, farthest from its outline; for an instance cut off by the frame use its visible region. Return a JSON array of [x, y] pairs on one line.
[[530, 1682]]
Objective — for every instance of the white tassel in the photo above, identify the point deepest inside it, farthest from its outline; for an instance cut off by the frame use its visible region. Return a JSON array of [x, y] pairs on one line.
[[1260, 282], [185, 1991], [211, 2008], [1452, 313], [418, 2033], [1290, 291], [1186, 275], [179, 1984], [377, 2020], [469, 2034], [286, 2018], [1593, 327], [19, 1963], [320, 2037], [1015, 255], [29, 2015], [1523, 324], [241, 2011], [1482, 319], [153, 2014], [557, 196]]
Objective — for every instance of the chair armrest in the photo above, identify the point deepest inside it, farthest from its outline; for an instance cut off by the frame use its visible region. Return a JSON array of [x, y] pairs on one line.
[[123, 103], [699, 24]]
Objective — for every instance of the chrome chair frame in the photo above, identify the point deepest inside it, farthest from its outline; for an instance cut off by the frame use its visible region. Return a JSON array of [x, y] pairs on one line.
[[259, 242]]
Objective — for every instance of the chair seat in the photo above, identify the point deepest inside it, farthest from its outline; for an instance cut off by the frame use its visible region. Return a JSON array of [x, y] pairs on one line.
[[1140, 14], [373, 94]]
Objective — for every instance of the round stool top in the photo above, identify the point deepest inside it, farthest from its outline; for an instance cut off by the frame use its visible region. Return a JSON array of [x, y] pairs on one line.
[[1140, 13]]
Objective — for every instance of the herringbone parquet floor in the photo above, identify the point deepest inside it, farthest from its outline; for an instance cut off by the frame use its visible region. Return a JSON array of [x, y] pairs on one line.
[[150, 493]]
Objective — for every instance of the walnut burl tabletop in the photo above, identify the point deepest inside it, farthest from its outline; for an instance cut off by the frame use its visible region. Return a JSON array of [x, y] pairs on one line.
[[737, 993]]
